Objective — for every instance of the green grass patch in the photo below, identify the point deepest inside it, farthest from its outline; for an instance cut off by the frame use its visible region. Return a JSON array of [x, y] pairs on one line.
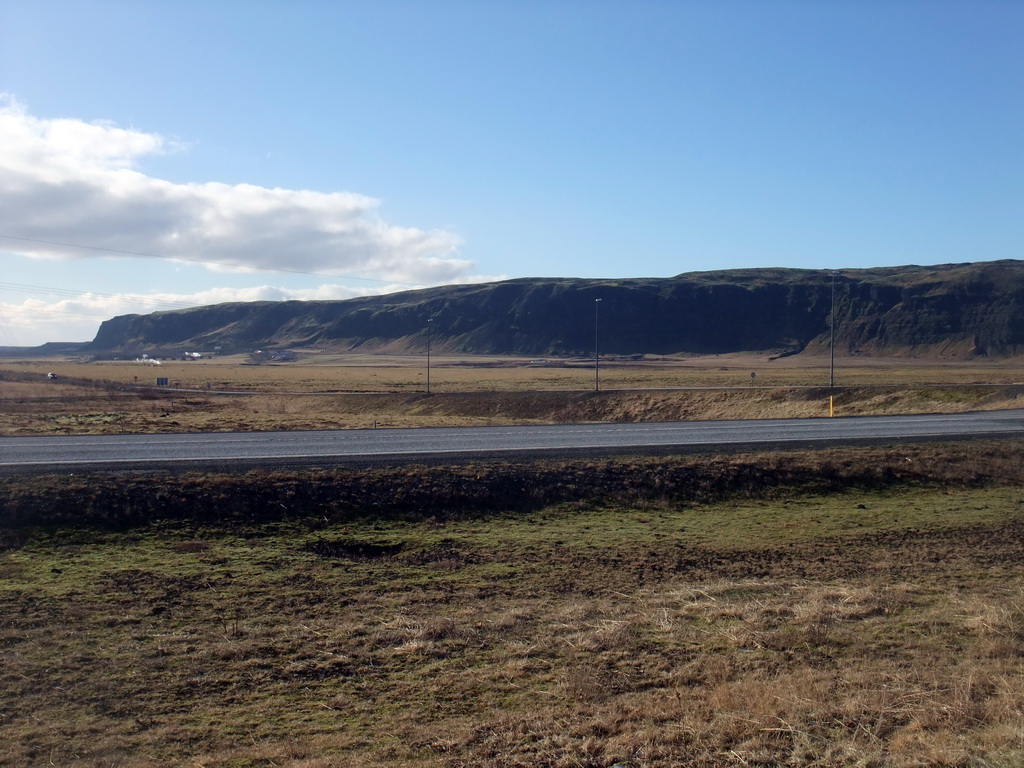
[[841, 629]]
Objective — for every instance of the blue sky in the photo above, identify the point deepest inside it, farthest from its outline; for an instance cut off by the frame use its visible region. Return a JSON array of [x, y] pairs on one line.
[[370, 146]]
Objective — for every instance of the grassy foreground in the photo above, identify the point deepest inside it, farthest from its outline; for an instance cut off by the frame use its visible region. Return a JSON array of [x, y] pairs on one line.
[[849, 607]]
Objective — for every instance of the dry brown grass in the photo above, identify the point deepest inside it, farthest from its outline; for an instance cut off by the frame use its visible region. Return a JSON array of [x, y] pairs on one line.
[[467, 393], [328, 372]]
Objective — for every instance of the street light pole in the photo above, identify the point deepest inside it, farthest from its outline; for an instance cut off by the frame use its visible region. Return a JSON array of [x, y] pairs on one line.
[[597, 350], [832, 338], [429, 324]]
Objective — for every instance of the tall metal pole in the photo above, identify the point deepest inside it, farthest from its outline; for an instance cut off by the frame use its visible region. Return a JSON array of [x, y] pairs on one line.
[[832, 338], [429, 323], [597, 350]]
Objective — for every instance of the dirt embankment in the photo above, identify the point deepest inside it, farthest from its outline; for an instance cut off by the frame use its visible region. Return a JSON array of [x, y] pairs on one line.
[[444, 491]]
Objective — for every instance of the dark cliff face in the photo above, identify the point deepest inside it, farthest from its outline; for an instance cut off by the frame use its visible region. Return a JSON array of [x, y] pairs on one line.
[[962, 309], [965, 309]]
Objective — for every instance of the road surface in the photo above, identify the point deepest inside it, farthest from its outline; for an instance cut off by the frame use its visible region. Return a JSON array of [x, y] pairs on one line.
[[319, 448]]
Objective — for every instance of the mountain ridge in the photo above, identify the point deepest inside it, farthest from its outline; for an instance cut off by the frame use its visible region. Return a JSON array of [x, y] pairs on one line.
[[950, 309]]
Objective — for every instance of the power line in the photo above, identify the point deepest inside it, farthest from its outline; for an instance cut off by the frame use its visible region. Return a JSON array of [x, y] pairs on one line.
[[62, 313], [72, 294], [204, 261], [5, 330]]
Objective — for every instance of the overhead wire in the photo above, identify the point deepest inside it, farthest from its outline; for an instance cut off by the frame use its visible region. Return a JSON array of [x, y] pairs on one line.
[[5, 330], [72, 294]]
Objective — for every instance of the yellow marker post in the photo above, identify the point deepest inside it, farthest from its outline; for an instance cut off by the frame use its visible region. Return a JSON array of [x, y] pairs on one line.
[[830, 406]]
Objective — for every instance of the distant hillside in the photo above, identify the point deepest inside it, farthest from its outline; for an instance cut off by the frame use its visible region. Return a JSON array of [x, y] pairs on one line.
[[953, 309], [50, 349]]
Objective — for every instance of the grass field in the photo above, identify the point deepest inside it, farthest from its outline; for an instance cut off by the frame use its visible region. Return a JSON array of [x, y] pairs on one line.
[[334, 372], [854, 607], [330, 391], [848, 607]]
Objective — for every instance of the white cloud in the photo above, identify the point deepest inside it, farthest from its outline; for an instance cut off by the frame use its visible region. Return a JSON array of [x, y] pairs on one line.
[[75, 182], [44, 318], [37, 320]]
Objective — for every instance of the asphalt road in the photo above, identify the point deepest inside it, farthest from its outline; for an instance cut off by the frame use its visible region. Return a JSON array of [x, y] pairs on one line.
[[319, 448]]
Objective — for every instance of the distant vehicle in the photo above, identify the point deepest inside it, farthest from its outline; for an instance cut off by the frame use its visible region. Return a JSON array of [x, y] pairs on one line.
[[51, 375]]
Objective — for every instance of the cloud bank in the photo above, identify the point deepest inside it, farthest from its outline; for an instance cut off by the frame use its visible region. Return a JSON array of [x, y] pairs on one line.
[[76, 318], [75, 182]]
